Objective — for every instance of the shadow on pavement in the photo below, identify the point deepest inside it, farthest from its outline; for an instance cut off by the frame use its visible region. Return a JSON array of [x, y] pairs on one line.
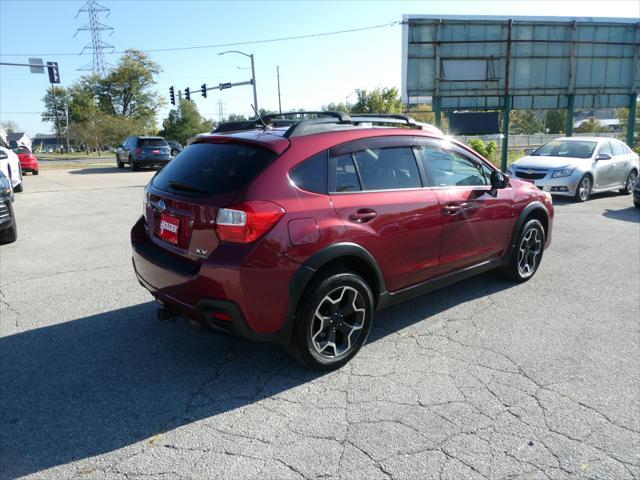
[[629, 214], [96, 384], [98, 170]]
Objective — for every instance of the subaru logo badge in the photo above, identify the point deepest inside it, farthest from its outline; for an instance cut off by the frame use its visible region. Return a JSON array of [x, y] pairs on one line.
[[160, 206], [528, 171]]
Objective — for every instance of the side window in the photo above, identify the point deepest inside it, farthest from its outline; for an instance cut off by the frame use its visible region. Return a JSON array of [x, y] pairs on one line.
[[346, 179], [617, 148], [605, 148], [388, 168], [311, 174], [449, 168]]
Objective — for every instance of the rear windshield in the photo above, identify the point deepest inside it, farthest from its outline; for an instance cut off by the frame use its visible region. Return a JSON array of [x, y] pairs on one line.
[[571, 148], [213, 168], [153, 142], [21, 150]]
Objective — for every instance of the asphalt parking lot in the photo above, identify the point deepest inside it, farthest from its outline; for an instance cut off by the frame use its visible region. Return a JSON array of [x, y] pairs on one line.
[[484, 379]]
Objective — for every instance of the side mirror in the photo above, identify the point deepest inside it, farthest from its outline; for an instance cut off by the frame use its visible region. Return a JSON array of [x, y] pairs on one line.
[[3, 155], [499, 180], [603, 156]]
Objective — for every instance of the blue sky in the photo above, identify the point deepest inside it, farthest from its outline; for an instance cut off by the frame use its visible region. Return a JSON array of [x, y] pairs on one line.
[[313, 71]]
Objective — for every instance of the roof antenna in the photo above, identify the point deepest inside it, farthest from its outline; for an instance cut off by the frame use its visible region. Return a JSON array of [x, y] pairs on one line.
[[264, 125]]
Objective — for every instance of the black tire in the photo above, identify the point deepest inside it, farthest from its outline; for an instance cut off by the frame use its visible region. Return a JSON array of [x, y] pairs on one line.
[[134, 166], [586, 182], [119, 163], [9, 235], [630, 183], [355, 318], [35, 172], [20, 187], [174, 152], [636, 203], [525, 252]]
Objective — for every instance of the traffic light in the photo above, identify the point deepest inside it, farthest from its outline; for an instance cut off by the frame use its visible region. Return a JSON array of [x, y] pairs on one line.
[[172, 95], [203, 89], [54, 73], [187, 93]]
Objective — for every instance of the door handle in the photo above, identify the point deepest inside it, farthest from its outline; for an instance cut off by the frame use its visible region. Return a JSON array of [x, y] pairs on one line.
[[452, 209], [363, 215]]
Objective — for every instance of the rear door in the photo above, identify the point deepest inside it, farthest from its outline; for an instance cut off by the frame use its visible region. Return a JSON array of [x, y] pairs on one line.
[[476, 222], [377, 190], [621, 165]]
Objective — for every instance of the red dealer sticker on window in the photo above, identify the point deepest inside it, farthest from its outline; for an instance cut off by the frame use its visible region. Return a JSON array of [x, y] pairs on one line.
[[169, 227]]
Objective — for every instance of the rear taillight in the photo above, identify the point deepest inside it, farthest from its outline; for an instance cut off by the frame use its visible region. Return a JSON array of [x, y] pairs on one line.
[[138, 151], [247, 222]]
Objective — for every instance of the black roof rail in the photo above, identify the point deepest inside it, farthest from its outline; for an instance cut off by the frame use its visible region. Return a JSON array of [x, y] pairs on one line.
[[383, 118], [341, 116]]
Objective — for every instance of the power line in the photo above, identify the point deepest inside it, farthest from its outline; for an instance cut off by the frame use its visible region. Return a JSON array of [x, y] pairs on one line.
[[220, 45]]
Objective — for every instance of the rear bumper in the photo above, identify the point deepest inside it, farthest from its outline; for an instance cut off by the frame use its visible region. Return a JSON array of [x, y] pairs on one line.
[[241, 300], [155, 160], [31, 165]]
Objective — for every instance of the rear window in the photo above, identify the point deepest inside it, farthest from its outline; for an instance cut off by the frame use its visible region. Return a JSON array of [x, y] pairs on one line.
[[21, 150], [152, 142], [213, 168]]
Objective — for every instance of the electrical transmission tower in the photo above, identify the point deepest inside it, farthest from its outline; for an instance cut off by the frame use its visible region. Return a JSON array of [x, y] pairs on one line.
[[99, 66]]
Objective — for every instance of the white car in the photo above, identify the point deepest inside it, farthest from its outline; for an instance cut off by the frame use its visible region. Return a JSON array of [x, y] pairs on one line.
[[10, 166], [579, 166]]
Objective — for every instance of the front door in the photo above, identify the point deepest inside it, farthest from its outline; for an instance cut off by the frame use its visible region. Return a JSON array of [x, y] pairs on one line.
[[476, 221], [377, 190]]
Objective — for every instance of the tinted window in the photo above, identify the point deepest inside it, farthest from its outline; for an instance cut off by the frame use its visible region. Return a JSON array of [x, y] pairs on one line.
[[605, 148], [618, 148], [449, 168], [210, 168], [387, 168], [152, 142], [311, 174], [566, 148], [346, 176], [21, 150]]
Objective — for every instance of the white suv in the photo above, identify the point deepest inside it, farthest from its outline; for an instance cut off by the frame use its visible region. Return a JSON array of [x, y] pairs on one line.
[[10, 166]]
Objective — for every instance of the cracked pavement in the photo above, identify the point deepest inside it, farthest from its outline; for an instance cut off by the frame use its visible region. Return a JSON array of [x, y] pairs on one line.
[[483, 379]]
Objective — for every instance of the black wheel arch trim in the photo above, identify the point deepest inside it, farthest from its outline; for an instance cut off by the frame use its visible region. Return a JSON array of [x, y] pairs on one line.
[[526, 212], [313, 264]]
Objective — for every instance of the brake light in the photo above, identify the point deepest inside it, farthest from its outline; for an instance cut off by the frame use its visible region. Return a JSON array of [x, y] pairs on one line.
[[247, 222], [138, 151]]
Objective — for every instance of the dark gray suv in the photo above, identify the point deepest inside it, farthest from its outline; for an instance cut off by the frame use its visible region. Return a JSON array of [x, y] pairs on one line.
[[138, 151]]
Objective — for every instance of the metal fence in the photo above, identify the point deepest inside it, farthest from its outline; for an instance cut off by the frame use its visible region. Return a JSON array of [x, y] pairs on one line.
[[528, 141]]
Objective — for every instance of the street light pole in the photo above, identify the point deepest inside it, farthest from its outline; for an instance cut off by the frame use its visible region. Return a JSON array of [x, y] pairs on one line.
[[253, 75]]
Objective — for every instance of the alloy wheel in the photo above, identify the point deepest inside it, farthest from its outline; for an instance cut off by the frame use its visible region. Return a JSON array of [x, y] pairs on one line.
[[338, 322], [631, 181], [529, 252], [584, 188]]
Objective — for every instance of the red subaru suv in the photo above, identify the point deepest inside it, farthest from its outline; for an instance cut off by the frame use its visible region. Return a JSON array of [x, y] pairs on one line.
[[297, 229]]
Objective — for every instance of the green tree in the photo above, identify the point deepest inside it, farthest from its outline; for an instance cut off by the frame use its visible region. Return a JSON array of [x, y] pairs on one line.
[[49, 114], [556, 121], [127, 90], [379, 100], [236, 118], [591, 125], [336, 107], [184, 122], [10, 126], [488, 151], [525, 122]]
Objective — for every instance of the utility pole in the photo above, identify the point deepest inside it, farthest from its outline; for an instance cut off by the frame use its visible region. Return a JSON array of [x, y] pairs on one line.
[[55, 107], [279, 102], [66, 112]]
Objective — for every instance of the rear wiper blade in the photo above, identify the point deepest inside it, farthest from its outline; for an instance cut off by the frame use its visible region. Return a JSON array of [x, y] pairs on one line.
[[186, 187]]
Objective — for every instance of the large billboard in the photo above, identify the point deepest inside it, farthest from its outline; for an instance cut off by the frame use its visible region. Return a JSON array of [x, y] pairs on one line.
[[538, 62]]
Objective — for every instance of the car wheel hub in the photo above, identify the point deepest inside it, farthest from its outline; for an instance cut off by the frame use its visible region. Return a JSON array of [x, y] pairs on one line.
[[529, 252], [337, 322]]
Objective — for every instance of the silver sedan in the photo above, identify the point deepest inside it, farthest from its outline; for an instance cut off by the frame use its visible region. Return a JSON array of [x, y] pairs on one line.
[[579, 166]]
